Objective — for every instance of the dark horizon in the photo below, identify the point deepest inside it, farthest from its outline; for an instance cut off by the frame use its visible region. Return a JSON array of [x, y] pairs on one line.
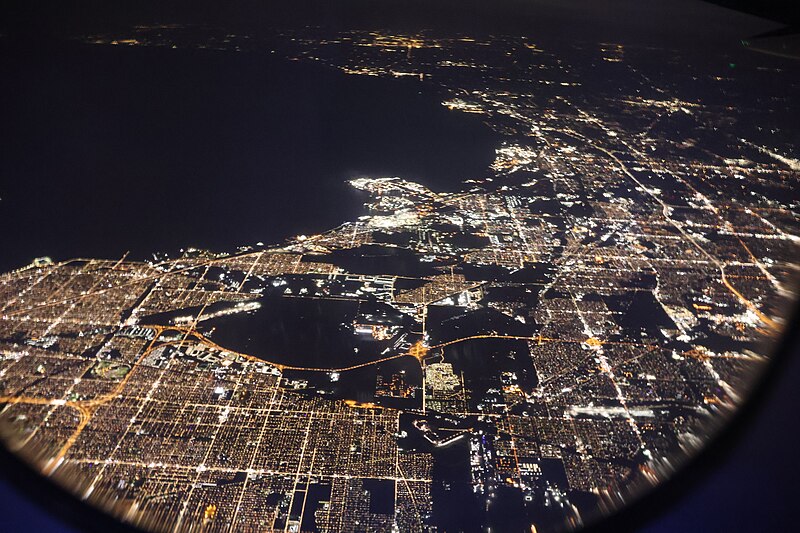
[[683, 23]]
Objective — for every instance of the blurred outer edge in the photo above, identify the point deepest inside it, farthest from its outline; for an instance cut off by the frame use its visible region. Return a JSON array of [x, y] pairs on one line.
[[658, 500], [55, 499]]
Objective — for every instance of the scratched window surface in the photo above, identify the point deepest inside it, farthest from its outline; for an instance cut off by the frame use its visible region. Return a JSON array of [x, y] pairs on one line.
[[299, 276]]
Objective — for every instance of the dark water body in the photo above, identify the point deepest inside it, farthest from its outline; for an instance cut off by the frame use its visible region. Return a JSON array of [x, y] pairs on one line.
[[317, 493], [295, 331], [455, 506], [107, 149], [447, 323], [374, 259], [381, 495], [642, 315]]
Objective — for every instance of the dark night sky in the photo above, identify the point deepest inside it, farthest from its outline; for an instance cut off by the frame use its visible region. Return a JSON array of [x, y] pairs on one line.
[[677, 22]]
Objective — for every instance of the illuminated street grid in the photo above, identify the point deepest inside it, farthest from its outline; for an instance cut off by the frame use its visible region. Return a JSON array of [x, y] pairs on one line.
[[593, 221]]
